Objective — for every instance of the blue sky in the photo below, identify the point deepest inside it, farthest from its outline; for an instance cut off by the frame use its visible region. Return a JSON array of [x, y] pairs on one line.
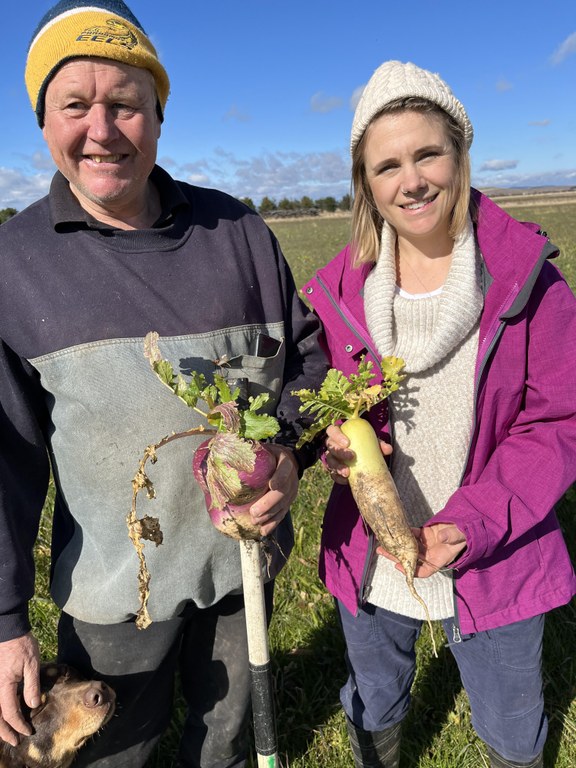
[[263, 91]]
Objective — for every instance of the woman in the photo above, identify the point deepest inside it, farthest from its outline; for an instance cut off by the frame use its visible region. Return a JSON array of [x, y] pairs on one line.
[[483, 428]]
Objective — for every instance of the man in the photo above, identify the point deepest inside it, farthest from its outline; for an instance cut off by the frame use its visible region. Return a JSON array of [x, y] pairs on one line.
[[117, 249]]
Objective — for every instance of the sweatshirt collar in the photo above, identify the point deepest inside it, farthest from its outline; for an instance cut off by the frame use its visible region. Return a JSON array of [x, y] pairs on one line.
[[68, 215]]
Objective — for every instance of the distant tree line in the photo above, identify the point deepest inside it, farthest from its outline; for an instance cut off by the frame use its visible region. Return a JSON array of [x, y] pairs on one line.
[[7, 213], [284, 208], [305, 206]]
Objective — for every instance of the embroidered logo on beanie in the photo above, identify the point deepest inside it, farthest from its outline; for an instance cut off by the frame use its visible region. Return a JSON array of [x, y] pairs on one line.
[[80, 28], [114, 33]]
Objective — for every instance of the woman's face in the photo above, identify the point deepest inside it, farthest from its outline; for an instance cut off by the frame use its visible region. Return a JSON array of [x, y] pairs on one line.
[[412, 173]]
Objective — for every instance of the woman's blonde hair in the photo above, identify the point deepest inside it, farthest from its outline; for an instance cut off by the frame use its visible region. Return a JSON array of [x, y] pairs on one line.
[[366, 220]]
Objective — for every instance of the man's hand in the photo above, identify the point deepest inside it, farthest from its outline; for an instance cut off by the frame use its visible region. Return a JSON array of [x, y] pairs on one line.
[[19, 663], [269, 511]]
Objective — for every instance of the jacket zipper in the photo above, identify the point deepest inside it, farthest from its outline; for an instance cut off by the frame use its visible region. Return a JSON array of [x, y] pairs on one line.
[[456, 633], [348, 323]]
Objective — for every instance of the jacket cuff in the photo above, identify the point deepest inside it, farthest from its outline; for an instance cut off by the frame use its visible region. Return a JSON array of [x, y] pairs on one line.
[[13, 625], [474, 533]]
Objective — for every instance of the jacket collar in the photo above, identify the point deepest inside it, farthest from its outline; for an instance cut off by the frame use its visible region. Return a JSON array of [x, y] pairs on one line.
[[513, 253], [345, 283]]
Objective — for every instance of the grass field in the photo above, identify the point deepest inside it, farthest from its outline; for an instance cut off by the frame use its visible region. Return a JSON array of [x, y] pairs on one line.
[[306, 647]]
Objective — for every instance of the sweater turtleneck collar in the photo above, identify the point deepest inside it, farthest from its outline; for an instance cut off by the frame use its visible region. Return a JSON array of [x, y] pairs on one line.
[[458, 305]]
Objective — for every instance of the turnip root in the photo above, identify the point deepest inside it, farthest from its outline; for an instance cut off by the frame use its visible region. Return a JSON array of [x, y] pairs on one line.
[[342, 399], [233, 470], [229, 504]]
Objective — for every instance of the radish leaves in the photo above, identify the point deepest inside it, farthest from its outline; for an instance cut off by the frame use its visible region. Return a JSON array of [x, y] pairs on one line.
[[342, 397]]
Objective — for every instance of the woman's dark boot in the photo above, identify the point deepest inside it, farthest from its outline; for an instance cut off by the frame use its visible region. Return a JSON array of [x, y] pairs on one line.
[[497, 761], [375, 749]]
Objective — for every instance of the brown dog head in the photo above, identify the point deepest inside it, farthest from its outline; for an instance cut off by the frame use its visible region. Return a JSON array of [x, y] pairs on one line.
[[72, 710]]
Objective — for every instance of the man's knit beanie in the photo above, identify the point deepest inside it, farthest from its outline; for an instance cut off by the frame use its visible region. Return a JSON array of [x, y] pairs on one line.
[[395, 80], [96, 28]]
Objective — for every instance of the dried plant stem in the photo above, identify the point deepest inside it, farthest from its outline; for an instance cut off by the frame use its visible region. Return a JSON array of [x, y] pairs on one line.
[[148, 528]]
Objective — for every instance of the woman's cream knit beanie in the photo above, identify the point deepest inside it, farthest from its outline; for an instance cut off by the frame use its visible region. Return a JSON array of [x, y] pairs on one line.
[[396, 80]]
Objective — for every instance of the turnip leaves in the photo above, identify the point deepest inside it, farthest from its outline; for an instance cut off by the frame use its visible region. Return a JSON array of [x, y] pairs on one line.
[[223, 412]]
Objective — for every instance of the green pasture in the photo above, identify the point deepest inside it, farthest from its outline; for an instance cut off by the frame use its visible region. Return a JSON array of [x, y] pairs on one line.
[[306, 647]]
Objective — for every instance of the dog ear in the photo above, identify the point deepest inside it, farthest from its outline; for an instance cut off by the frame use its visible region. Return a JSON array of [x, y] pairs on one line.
[[52, 673]]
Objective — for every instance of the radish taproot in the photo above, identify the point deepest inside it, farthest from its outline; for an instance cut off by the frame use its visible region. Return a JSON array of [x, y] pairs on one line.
[[343, 400]]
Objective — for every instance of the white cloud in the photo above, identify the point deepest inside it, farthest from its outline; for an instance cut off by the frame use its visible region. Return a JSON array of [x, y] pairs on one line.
[[561, 178], [42, 161], [498, 165], [539, 123], [322, 103], [565, 49], [274, 174], [292, 175], [167, 162], [18, 189], [198, 179], [504, 85]]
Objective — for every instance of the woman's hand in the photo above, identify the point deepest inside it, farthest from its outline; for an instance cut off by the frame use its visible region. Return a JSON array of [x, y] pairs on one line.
[[439, 545], [338, 453]]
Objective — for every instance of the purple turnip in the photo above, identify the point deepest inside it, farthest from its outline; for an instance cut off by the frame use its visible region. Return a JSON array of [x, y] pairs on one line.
[[233, 473]]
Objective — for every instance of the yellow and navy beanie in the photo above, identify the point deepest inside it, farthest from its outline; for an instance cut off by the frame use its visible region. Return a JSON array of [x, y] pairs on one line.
[[99, 28]]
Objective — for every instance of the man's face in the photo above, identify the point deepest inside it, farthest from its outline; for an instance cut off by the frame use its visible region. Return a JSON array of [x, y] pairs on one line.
[[102, 130]]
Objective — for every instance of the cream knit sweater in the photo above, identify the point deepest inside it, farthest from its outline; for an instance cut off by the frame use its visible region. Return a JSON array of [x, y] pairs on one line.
[[437, 336]]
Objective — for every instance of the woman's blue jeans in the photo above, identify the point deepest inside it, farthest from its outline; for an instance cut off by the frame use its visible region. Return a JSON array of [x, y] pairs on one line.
[[500, 671]]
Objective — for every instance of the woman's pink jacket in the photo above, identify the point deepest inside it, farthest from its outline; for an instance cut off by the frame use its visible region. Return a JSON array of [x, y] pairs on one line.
[[522, 454]]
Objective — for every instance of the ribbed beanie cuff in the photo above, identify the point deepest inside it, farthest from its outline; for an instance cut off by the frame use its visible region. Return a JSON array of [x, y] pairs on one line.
[[79, 28]]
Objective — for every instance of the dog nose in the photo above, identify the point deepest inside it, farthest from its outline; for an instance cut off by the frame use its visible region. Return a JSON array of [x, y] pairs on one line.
[[97, 695]]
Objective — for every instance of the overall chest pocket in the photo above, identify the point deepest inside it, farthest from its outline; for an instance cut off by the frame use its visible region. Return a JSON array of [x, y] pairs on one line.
[[259, 370], [251, 358]]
